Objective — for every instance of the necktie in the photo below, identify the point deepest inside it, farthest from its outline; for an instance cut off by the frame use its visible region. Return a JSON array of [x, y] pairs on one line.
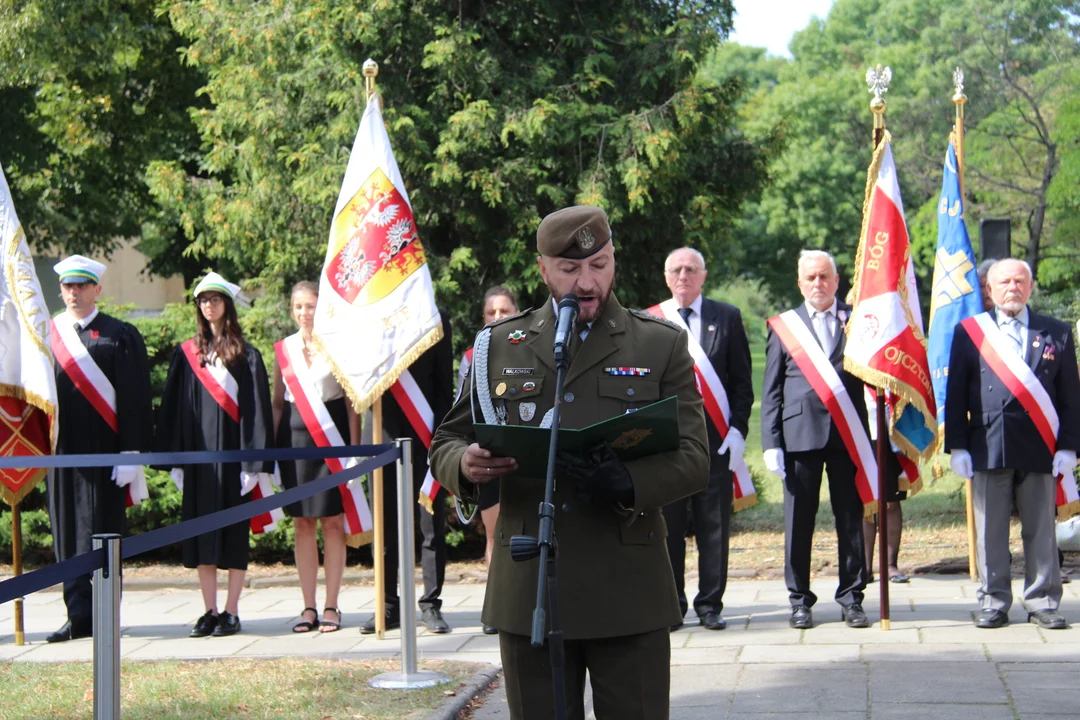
[[684, 313], [821, 328], [1015, 334], [78, 328]]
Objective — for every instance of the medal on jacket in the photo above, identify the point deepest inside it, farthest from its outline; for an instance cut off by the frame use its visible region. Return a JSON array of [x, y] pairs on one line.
[[516, 336], [527, 411], [500, 413]]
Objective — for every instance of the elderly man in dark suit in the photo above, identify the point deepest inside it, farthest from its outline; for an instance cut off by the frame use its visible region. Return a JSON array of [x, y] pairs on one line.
[[1011, 411], [718, 329], [801, 438]]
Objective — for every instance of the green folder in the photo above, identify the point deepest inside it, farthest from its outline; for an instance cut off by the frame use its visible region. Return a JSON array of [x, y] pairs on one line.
[[652, 429]]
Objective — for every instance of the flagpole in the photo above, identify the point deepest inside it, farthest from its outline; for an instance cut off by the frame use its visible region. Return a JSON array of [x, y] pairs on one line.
[[959, 98], [878, 81], [371, 71], [16, 562]]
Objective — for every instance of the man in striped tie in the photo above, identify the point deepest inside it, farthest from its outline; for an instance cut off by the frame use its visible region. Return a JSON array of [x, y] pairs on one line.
[[1012, 424]]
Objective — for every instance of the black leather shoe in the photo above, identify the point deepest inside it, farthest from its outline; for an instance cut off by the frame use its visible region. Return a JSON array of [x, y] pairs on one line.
[[488, 630], [71, 631], [205, 625], [1048, 619], [393, 622], [854, 616], [712, 621], [991, 619], [434, 621], [227, 624], [801, 618]]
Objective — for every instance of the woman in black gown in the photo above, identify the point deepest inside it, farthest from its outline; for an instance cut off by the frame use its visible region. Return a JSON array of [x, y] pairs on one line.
[[290, 430], [217, 397]]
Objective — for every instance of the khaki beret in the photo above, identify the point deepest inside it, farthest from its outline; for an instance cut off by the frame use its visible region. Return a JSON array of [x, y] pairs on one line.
[[574, 232]]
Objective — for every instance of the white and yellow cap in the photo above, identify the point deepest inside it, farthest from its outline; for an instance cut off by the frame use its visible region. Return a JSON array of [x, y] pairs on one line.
[[78, 269], [215, 283]]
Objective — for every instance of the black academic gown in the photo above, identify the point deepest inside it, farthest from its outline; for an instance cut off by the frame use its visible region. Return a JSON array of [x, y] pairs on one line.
[[86, 501], [190, 419]]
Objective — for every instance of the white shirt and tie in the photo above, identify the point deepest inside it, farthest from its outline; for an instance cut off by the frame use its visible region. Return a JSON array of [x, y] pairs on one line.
[[1015, 328], [825, 324], [691, 315]]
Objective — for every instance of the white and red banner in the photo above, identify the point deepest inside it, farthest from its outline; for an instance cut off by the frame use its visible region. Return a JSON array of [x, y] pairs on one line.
[[886, 347], [376, 313], [418, 410], [823, 378], [717, 407], [28, 418], [296, 374], [95, 386], [222, 386], [1019, 378]]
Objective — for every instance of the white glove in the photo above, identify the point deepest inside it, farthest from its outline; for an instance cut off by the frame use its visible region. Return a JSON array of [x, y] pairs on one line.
[[960, 461], [275, 479], [124, 475], [774, 461], [137, 490], [177, 475], [734, 442], [1064, 462], [248, 481]]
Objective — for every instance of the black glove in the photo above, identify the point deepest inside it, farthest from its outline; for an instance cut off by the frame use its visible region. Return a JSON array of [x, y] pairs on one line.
[[599, 476]]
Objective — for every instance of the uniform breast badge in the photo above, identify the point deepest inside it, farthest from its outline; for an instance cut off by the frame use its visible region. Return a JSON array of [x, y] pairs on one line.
[[516, 336], [1048, 352], [529, 386], [500, 389], [500, 413], [631, 371], [527, 411]]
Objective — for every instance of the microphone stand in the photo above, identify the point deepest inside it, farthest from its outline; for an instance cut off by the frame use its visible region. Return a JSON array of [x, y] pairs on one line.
[[523, 548]]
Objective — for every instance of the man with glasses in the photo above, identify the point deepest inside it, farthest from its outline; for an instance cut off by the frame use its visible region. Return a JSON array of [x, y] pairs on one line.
[[103, 400], [1013, 426], [721, 354]]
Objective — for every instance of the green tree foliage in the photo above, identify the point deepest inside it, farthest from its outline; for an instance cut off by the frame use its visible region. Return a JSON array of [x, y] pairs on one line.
[[499, 113], [91, 92], [1017, 57]]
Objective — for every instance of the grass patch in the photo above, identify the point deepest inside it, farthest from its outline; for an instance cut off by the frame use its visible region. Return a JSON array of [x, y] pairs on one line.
[[285, 688]]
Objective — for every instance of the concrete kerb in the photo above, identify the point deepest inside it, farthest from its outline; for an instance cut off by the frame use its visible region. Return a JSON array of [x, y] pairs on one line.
[[475, 687]]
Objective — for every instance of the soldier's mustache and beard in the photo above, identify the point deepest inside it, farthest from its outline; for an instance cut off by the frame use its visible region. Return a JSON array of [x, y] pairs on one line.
[[602, 301]]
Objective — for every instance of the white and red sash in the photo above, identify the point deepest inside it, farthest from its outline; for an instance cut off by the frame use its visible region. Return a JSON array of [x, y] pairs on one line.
[[717, 407], [823, 378], [222, 386], [418, 410], [1020, 380], [90, 380], [297, 376]]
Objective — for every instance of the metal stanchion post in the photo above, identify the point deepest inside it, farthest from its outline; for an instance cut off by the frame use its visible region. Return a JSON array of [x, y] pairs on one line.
[[409, 677], [106, 601]]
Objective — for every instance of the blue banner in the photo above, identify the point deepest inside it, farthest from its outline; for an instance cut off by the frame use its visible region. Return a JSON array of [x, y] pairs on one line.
[[956, 294]]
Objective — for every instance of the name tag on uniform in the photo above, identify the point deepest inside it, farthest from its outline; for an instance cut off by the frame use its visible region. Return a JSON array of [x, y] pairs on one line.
[[518, 371]]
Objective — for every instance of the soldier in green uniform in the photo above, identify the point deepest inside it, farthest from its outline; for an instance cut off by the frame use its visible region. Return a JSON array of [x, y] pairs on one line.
[[617, 595]]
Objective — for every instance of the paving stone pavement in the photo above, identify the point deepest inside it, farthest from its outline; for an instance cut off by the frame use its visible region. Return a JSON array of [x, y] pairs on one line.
[[932, 663]]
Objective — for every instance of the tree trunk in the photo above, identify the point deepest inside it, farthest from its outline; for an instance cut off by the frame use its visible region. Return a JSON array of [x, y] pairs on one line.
[[1038, 215]]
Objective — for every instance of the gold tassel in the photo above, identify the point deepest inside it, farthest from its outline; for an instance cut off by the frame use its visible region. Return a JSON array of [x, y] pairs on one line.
[[360, 539], [744, 502], [1067, 510], [425, 502]]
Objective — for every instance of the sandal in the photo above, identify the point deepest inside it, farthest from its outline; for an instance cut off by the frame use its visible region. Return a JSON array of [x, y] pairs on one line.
[[306, 626], [327, 625]]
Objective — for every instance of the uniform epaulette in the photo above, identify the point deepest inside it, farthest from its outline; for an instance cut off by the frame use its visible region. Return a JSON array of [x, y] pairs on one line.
[[649, 316], [509, 318]]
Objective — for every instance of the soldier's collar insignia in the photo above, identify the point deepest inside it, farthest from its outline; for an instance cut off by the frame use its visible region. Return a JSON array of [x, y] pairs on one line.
[[516, 336], [586, 239]]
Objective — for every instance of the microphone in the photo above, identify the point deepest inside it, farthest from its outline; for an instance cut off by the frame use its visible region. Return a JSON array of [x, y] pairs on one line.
[[564, 327]]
